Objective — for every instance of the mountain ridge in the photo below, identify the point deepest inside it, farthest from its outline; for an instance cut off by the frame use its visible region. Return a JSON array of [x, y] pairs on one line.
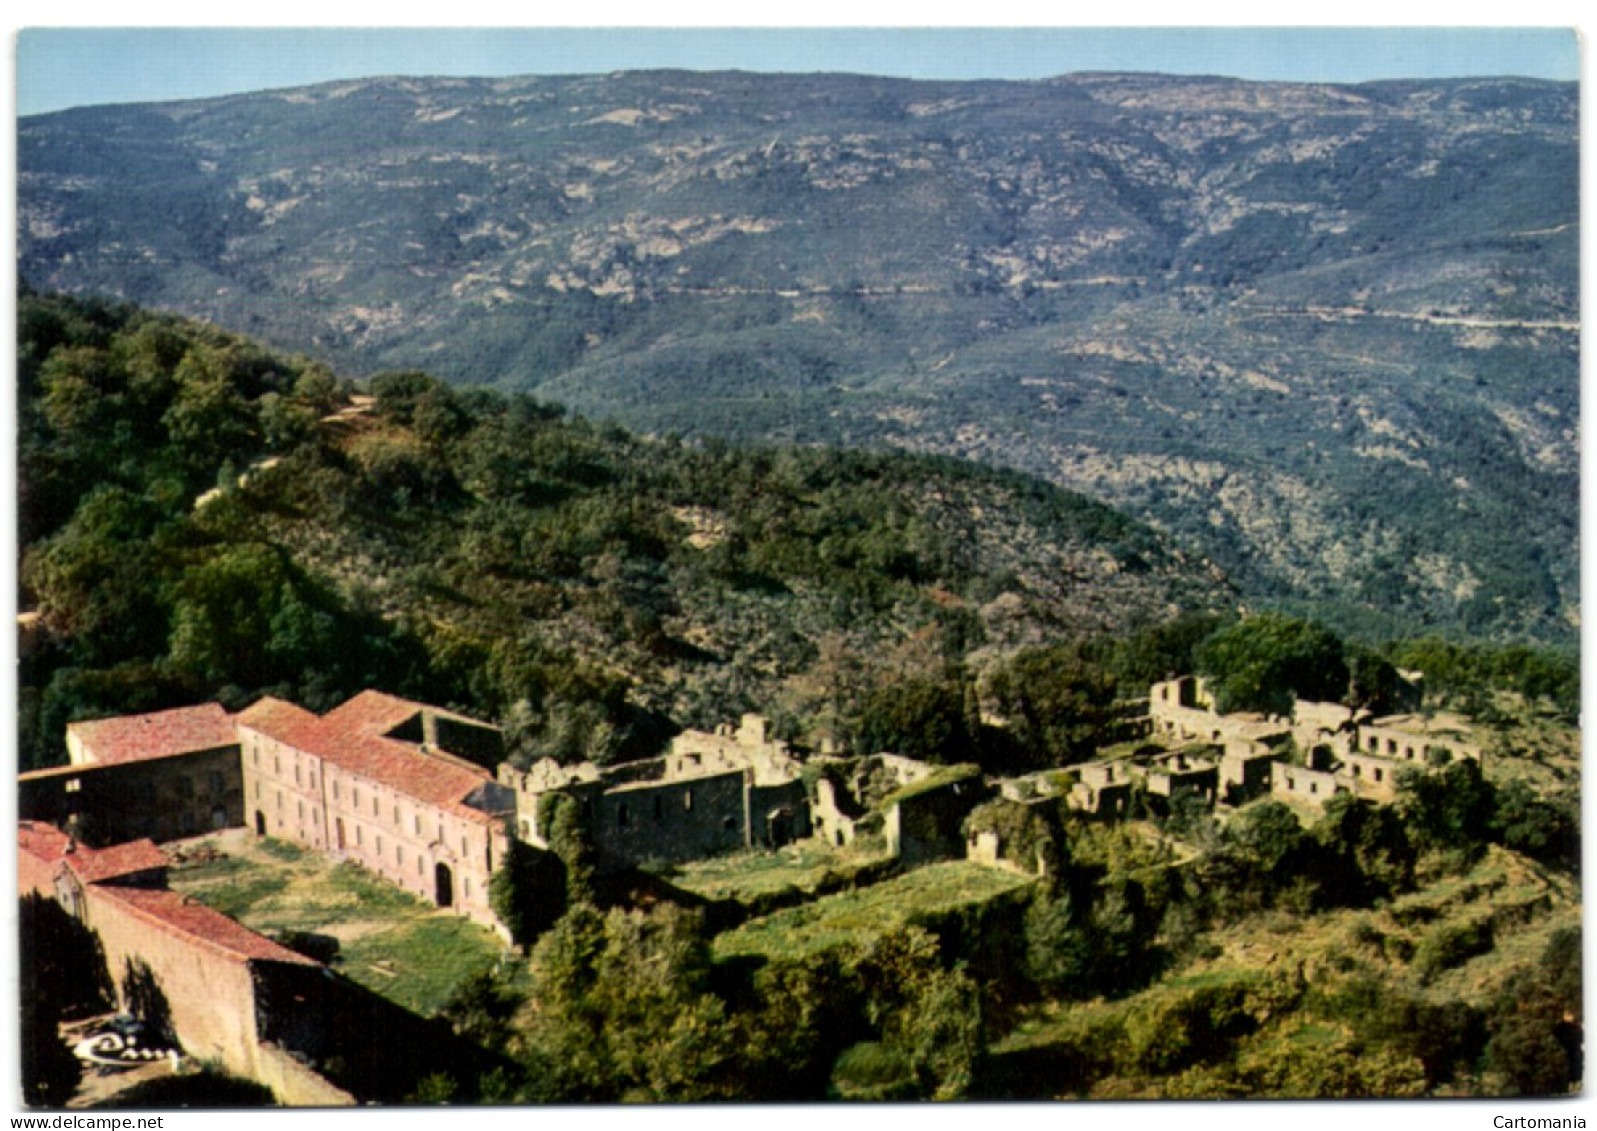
[[1292, 325]]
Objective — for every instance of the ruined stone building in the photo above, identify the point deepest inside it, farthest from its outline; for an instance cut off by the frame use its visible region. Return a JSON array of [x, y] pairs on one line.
[[711, 793], [376, 781], [1337, 749], [164, 775]]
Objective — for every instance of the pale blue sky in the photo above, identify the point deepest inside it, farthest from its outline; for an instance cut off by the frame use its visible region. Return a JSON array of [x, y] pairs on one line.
[[62, 67]]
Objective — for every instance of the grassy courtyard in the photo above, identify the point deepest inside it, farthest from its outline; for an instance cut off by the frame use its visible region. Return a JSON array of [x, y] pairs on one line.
[[388, 941], [744, 876], [857, 917]]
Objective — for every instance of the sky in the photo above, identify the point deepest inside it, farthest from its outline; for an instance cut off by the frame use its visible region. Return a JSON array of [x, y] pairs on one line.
[[62, 67]]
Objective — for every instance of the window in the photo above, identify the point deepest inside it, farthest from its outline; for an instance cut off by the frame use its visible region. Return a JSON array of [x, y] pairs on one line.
[[300, 805], [257, 791], [418, 825], [277, 763], [279, 801], [465, 882], [374, 806], [354, 794], [418, 865], [399, 855], [358, 838], [335, 791], [379, 844], [74, 785], [687, 800], [296, 774], [397, 823]]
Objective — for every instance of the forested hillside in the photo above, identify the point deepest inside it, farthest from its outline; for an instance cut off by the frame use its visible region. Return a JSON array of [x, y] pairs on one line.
[[200, 517], [1325, 336]]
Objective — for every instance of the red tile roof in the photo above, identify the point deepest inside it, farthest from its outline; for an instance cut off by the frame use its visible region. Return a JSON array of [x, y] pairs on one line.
[[42, 841], [136, 738], [180, 916], [96, 865], [279, 719], [45, 842], [351, 737]]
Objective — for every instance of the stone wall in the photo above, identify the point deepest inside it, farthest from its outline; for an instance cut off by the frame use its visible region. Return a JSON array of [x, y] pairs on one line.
[[926, 825], [670, 821], [162, 799], [1373, 777], [1289, 783], [210, 995]]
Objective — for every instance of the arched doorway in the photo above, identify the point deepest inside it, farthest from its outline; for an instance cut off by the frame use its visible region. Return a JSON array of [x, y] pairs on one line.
[[444, 885]]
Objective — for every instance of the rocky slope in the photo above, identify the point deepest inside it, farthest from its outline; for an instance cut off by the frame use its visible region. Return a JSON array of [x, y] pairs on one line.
[[1325, 335]]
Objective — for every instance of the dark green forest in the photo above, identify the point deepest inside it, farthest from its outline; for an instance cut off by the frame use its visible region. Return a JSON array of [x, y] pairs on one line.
[[201, 518], [588, 588]]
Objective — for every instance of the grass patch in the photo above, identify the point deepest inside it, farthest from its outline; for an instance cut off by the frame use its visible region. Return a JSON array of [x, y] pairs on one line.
[[238, 898], [937, 779], [280, 849], [857, 917], [418, 965], [394, 944], [746, 875]]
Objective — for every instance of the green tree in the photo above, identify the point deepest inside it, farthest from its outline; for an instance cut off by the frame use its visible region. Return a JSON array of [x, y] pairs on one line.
[[1265, 662], [528, 893]]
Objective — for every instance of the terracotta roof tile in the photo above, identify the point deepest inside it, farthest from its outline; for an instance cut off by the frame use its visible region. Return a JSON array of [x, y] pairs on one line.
[[45, 842], [279, 719], [96, 865], [182, 917], [42, 841], [136, 738], [351, 736]]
